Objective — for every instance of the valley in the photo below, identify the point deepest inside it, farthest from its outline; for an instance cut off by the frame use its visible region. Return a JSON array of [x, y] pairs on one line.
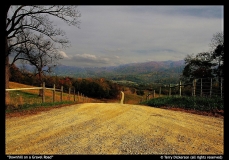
[[165, 72]]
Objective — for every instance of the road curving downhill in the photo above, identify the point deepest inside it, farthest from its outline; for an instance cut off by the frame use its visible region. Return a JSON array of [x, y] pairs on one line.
[[113, 128]]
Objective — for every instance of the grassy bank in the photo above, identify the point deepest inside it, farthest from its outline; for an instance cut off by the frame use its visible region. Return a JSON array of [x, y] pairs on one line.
[[26, 106], [194, 103], [29, 99]]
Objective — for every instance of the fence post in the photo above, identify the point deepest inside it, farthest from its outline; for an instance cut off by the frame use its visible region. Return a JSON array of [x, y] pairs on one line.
[[160, 92], [169, 89], [69, 91], [194, 87], [43, 92], [78, 96], [74, 94], [54, 93], [61, 93], [211, 88], [201, 87], [153, 93], [221, 87], [180, 88]]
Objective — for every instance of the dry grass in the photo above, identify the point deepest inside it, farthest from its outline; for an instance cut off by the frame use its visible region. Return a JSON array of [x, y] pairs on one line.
[[17, 98], [133, 98], [15, 102]]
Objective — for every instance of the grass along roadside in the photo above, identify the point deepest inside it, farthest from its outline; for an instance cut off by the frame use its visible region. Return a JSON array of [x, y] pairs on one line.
[[28, 99], [35, 92], [20, 101], [26, 106], [200, 105]]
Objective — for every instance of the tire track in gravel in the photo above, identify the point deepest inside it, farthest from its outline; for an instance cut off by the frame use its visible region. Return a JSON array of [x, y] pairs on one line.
[[112, 128]]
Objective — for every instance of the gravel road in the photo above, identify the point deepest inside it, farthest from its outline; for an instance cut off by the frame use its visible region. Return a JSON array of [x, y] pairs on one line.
[[112, 128]]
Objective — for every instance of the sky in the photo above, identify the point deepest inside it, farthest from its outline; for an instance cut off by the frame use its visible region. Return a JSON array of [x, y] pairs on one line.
[[120, 34]]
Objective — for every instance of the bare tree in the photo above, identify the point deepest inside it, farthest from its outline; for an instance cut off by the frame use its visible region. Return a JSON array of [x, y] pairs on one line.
[[37, 19], [217, 46], [38, 52], [217, 39]]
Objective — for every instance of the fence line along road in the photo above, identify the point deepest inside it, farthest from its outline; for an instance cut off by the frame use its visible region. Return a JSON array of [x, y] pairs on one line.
[[84, 98], [199, 87]]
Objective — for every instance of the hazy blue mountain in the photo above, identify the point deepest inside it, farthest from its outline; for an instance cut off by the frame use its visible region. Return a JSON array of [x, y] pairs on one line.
[[153, 71]]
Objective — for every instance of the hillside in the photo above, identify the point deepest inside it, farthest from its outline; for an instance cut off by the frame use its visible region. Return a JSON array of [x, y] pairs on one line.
[[148, 72]]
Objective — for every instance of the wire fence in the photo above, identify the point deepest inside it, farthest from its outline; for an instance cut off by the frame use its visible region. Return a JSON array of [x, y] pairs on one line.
[[203, 87]]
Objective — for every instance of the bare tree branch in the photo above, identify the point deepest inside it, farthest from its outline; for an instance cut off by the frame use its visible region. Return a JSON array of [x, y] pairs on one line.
[[32, 37]]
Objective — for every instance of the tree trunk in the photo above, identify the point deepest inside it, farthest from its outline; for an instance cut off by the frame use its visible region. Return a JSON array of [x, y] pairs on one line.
[[7, 72], [40, 79], [7, 69], [7, 76], [7, 66]]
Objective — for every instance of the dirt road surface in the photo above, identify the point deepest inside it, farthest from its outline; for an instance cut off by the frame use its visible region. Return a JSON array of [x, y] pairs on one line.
[[112, 128]]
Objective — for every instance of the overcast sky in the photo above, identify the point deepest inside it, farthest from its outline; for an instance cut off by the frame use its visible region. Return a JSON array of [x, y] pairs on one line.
[[114, 35]]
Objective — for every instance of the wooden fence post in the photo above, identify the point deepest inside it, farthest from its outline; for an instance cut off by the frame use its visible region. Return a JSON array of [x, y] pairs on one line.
[[54, 93], [210, 88], [43, 92], [78, 96], [74, 94], [69, 91], [160, 92], [169, 89], [221, 87], [180, 88], [153, 93], [61, 93], [201, 91], [194, 88]]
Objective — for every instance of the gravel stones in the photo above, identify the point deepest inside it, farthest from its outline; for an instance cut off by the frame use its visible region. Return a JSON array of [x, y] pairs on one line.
[[112, 128]]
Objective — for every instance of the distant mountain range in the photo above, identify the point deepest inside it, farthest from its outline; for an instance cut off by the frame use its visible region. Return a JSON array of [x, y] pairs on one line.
[[147, 72]]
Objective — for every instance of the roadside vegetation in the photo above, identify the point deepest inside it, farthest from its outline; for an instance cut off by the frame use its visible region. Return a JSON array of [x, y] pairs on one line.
[[186, 102], [27, 106], [18, 101]]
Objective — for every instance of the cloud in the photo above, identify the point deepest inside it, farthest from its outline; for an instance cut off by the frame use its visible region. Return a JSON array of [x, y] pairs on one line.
[[90, 60], [86, 59], [62, 53], [86, 56], [138, 33]]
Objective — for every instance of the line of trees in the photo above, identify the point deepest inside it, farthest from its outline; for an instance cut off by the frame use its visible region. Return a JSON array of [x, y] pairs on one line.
[[91, 87]]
